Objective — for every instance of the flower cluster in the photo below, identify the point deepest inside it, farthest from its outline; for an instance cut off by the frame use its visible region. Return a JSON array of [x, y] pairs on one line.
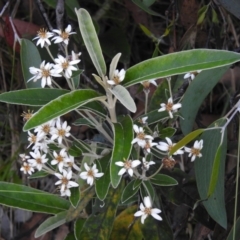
[[62, 165], [61, 66]]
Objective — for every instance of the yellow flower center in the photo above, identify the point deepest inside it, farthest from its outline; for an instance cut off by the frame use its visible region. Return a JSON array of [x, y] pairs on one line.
[[90, 173], [147, 211], [46, 128], [65, 65], [39, 160], [116, 80], [128, 164], [59, 158], [42, 33], [141, 135], [64, 181], [146, 84], [33, 139], [169, 106], [64, 35], [27, 115], [195, 151], [27, 167], [45, 72], [61, 132]]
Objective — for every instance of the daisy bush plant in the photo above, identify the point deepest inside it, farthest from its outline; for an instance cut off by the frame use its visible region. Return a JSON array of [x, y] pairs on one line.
[[140, 156]]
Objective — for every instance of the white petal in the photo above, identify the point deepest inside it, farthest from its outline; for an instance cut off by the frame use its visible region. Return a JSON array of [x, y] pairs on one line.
[[135, 163], [121, 164], [147, 202], [122, 171]]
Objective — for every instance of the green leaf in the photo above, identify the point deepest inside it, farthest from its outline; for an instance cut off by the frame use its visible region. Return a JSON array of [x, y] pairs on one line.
[[84, 121], [196, 93], [38, 174], [32, 97], [75, 196], [51, 223], [19, 196], [237, 231], [30, 57], [122, 94], [215, 205], [145, 8], [186, 140], [147, 190], [163, 180], [61, 106], [102, 184], [113, 65], [91, 42], [215, 171], [123, 136], [95, 107], [202, 14], [167, 132], [179, 63], [100, 226], [78, 226], [155, 116], [76, 78], [129, 191]]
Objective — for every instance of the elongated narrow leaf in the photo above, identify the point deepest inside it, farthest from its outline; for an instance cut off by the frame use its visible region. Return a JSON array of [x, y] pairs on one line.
[[113, 65], [91, 40], [122, 94], [100, 226], [215, 171], [179, 63], [19, 196], [61, 106], [75, 196], [237, 231], [196, 93], [147, 190], [102, 184], [215, 204], [32, 97], [30, 57], [78, 226], [51, 223], [123, 136], [163, 180], [186, 140], [129, 191]]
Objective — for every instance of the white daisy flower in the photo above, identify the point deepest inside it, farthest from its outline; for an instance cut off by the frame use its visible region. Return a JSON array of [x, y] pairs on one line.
[[170, 107], [63, 36], [43, 37], [70, 164], [143, 120], [117, 77], [141, 136], [166, 147], [64, 180], [146, 164], [27, 168], [146, 210], [59, 159], [38, 160], [191, 75], [60, 131], [128, 166], [63, 65], [34, 139], [90, 174], [45, 128], [195, 151], [45, 72]]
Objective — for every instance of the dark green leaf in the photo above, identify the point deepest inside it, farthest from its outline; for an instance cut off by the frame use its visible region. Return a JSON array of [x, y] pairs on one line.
[[39, 174], [163, 180], [19, 196], [30, 57], [237, 231], [32, 97], [75, 196], [199, 88], [129, 191], [167, 132], [102, 184], [179, 63], [78, 226], [91, 42], [61, 106], [123, 136], [215, 205], [83, 121], [51, 223], [147, 190]]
